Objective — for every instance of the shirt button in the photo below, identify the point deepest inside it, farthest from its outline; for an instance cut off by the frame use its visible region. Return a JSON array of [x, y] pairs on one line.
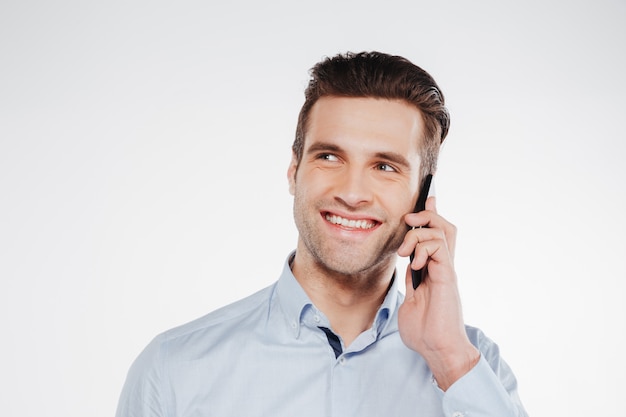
[[316, 318], [458, 414], [342, 360]]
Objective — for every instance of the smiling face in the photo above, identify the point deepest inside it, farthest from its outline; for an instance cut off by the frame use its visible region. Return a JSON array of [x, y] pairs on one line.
[[357, 178]]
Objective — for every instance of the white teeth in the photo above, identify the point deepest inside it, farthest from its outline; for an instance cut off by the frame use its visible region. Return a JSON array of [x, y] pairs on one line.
[[354, 224]]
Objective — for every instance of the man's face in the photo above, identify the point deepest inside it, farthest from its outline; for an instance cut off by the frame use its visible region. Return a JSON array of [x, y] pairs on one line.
[[357, 179]]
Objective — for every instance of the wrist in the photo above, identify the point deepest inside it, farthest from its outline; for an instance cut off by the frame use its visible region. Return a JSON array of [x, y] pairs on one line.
[[449, 367]]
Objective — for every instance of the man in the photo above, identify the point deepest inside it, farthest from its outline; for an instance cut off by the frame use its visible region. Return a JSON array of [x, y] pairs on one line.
[[334, 336]]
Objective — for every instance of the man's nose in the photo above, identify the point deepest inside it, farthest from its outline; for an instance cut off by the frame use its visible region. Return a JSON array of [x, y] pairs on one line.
[[354, 188]]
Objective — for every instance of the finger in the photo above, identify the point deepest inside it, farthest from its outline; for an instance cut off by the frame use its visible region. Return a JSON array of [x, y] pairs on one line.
[[429, 219], [421, 219], [425, 218], [425, 251], [415, 236], [431, 244]]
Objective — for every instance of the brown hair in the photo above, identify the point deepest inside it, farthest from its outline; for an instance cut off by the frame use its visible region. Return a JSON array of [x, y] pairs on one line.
[[378, 75]]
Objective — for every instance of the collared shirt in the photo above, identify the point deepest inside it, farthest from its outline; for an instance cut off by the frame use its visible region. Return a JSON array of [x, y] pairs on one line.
[[270, 354]]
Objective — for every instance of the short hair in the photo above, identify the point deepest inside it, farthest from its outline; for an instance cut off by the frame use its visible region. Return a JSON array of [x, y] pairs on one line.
[[379, 75]]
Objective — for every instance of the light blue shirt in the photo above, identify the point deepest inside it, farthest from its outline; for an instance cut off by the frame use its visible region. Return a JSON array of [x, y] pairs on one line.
[[266, 356]]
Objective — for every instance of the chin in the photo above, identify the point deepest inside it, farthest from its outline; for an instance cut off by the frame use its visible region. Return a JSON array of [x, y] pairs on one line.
[[353, 263]]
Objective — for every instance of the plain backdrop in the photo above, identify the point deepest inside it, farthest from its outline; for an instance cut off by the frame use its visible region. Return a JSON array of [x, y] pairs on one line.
[[143, 156]]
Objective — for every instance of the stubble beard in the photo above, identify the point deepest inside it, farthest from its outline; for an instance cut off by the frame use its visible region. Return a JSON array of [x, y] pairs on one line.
[[347, 261]]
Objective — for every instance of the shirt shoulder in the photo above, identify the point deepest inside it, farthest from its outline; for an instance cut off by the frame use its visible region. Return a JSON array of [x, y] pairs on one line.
[[223, 317], [143, 392]]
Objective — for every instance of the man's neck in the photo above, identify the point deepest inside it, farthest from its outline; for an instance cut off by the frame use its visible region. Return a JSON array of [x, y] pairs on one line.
[[349, 302]]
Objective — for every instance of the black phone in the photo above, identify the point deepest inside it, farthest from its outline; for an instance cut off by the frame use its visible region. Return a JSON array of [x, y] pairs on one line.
[[419, 206]]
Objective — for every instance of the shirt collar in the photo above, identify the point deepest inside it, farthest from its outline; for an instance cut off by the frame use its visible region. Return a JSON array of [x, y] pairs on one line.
[[291, 297], [388, 309], [295, 302]]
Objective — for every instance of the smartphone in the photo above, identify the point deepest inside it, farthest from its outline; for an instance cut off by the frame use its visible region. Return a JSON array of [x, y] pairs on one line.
[[419, 206]]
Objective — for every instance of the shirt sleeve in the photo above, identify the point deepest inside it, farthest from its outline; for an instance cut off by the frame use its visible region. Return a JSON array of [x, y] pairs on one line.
[[488, 390], [142, 395]]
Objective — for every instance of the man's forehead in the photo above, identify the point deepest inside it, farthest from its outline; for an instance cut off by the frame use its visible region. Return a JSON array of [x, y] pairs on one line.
[[395, 121]]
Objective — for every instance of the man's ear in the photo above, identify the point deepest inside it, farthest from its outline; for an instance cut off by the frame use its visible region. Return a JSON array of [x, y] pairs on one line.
[[291, 173]]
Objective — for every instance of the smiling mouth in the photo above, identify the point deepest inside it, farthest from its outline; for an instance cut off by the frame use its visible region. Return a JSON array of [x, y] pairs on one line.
[[363, 224]]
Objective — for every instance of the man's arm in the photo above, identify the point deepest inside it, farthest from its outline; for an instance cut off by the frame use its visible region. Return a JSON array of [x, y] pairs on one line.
[[488, 390], [431, 320], [141, 395]]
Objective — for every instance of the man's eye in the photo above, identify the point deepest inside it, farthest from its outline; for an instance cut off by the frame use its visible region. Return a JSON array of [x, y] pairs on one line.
[[386, 167], [328, 157]]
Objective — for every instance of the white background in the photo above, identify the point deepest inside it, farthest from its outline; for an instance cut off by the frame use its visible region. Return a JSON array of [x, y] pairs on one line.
[[143, 151]]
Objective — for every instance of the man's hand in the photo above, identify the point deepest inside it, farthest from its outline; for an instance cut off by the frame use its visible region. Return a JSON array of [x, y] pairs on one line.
[[430, 319]]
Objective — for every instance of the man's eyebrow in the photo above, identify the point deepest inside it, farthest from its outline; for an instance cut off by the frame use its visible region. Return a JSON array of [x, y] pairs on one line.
[[323, 147]]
